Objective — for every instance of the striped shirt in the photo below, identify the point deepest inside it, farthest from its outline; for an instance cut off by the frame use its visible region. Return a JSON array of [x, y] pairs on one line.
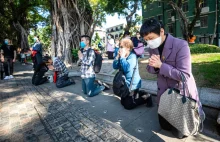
[[87, 70], [60, 67]]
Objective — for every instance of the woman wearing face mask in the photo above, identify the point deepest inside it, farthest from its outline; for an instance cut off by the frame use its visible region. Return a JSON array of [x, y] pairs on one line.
[[127, 61], [169, 58], [110, 47]]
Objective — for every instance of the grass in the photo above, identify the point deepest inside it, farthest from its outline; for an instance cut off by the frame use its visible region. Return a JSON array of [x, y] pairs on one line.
[[205, 68]]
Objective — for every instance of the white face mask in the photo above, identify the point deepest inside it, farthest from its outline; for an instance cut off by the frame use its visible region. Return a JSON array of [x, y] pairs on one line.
[[155, 43]]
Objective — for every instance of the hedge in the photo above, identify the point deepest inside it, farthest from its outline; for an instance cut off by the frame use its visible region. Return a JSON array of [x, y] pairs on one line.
[[204, 48]]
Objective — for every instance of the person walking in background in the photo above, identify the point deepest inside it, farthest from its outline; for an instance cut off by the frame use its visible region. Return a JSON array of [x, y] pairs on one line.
[[127, 35], [128, 61], [110, 47], [87, 68], [169, 59], [8, 57], [1, 69], [117, 42], [23, 57], [138, 43]]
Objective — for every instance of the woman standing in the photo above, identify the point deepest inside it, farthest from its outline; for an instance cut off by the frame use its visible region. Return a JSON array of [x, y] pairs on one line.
[[110, 47]]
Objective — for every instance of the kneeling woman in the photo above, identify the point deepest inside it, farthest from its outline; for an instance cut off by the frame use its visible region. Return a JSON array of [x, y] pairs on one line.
[[127, 61], [38, 77]]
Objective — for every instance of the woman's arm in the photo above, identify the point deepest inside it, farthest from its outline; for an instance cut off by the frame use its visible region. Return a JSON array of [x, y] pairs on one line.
[[183, 64]]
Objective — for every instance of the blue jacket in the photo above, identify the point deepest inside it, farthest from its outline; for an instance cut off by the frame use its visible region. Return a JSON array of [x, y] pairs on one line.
[[128, 65]]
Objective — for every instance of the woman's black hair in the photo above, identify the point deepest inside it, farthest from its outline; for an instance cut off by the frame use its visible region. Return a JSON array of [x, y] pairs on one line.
[[150, 26], [46, 59]]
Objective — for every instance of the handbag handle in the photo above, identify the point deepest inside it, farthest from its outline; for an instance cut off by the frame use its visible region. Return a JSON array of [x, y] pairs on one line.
[[185, 86], [132, 79]]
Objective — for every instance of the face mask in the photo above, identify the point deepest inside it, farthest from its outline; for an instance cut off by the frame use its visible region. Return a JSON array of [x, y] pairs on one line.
[[109, 37], [155, 43], [6, 42], [82, 44]]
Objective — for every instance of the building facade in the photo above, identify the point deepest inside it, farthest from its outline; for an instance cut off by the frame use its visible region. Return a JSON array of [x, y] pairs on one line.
[[116, 31], [204, 28]]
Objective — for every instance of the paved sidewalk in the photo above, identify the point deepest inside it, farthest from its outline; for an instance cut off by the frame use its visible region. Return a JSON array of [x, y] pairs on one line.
[[45, 113]]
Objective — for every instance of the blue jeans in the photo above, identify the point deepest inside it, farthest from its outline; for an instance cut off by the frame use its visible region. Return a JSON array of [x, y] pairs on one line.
[[89, 87]]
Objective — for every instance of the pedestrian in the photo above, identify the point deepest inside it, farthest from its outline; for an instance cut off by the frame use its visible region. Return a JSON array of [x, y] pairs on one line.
[[127, 34], [57, 65], [23, 57], [1, 69], [39, 73], [8, 57], [169, 59], [110, 47], [127, 62], [138, 44], [87, 68], [117, 42]]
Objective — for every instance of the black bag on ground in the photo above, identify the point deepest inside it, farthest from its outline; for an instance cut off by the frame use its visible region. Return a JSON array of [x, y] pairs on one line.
[[97, 62]]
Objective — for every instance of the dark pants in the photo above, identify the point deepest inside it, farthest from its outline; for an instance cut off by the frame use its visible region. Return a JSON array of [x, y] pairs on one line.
[[131, 102], [63, 81], [167, 126], [89, 87], [110, 55], [8, 66], [2, 73], [38, 78]]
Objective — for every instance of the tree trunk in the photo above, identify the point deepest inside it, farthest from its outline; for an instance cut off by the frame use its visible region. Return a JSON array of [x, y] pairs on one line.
[[129, 17], [71, 19], [23, 35], [216, 22]]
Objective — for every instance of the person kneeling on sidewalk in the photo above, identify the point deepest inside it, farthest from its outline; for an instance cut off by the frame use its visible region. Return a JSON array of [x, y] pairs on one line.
[[127, 62], [62, 73], [87, 68], [38, 77]]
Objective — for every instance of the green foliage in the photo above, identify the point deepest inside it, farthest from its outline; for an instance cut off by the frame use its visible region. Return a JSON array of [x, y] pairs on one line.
[[75, 54], [96, 41], [204, 48]]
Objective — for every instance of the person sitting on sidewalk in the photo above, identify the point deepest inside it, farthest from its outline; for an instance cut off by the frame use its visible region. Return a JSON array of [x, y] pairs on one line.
[[87, 71], [62, 73], [8, 57], [127, 60], [38, 77]]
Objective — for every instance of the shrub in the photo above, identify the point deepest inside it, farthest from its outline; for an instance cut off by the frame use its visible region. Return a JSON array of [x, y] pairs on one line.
[[204, 48], [75, 54]]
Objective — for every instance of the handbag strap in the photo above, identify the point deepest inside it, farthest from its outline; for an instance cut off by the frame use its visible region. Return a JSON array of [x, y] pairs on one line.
[[185, 86], [132, 79]]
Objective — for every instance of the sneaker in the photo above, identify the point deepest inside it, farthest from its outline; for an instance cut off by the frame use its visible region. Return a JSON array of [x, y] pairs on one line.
[[6, 78], [11, 77], [102, 88]]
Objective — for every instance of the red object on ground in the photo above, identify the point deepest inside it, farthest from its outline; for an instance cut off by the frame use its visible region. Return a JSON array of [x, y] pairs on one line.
[[55, 77]]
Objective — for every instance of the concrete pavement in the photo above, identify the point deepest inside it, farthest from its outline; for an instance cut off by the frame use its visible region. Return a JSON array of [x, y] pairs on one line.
[[45, 113]]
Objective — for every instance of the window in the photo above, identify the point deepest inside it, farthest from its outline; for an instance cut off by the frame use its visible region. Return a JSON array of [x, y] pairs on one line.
[[151, 6], [204, 40], [204, 3], [169, 14], [170, 28], [185, 7], [159, 17], [159, 4], [204, 21]]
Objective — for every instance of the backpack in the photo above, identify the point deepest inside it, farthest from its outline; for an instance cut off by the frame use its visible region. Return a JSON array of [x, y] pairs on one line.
[[97, 62]]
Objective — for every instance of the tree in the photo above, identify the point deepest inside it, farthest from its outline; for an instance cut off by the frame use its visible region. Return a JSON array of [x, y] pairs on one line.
[[126, 8], [15, 16], [98, 7], [216, 22], [70, 20]]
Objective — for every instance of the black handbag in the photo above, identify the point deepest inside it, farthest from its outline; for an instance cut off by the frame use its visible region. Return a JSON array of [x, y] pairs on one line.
[[120, 87]]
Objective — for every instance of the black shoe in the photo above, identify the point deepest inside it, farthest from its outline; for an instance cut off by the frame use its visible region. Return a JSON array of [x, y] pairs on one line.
[[149, 101]]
